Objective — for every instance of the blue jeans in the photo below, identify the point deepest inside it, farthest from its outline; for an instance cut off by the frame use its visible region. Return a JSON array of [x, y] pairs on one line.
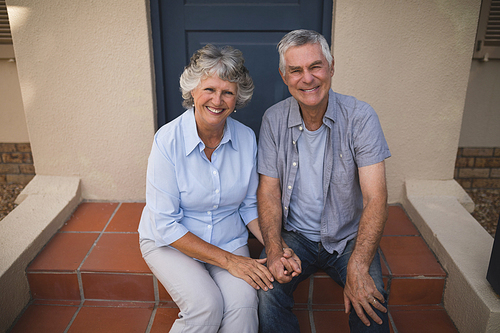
[[275, 305]]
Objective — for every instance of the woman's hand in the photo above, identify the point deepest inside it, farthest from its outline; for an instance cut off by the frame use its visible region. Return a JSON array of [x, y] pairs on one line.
[[251, 270]]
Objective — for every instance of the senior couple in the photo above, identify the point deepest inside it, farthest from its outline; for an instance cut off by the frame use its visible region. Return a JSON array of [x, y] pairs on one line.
[[315, 195]]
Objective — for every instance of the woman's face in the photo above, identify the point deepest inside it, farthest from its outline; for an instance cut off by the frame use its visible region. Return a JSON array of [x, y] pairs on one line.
[[214, 101]]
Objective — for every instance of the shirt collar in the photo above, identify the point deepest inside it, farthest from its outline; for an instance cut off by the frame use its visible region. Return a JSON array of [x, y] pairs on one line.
[[295, 118], [331, 110], [190, 133]]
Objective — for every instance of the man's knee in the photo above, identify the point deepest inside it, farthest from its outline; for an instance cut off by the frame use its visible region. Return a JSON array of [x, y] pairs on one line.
[[275, 312], [280, 296]]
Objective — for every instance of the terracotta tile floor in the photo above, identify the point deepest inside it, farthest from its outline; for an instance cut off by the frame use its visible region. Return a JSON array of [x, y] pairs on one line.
[[91, 277]]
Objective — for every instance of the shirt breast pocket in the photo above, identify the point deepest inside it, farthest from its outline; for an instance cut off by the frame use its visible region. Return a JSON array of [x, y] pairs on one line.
[[344, 167]]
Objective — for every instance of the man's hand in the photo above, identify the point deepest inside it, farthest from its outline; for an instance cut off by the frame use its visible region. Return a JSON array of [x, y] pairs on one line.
[[283, 265], [361, 293], [291, 262]]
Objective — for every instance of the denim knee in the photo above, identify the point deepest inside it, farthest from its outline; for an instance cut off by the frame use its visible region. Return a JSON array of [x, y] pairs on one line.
[[275, 311]]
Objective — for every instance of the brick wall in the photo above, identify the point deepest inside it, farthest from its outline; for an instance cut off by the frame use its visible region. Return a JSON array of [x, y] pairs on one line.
[[16, 163], [478, 168], [474, 167]]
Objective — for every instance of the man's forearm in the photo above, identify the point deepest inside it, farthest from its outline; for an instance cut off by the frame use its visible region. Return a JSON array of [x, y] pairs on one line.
[[283, 264], [374, 216], [370, 230], [270, 219]]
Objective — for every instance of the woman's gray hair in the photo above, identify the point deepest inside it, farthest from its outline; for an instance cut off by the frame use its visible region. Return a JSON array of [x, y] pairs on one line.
[[227, 63], [299, 38]]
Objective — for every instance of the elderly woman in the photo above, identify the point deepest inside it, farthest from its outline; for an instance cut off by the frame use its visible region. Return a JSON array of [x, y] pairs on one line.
[[200, 195]]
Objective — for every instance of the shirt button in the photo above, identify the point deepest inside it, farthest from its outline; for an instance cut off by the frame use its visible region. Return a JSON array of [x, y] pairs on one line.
[[300, 128], [293, 142], [294, 164], [209, 227], [289, 187], [214, 172], [286, 208], [209, 212], [217, 191], [340, 155], [215, 206]]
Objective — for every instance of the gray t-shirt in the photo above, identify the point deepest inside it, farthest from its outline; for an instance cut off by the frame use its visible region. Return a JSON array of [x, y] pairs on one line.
[[308, 189]]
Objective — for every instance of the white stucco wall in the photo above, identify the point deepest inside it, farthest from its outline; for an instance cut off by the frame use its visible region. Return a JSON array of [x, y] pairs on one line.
[[12, 121], [86, 78], [410, 60], [481, 120], [85, 72]]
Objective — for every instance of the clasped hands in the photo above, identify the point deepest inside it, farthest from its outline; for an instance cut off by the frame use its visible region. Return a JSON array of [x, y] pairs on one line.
[[284, 265], [283, 268]]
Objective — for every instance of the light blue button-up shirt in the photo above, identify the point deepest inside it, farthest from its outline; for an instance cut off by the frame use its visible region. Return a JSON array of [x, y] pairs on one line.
[[186, 192]]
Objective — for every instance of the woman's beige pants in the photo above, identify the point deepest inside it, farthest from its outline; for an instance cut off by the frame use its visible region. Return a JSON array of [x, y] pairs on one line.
[[210, 299]]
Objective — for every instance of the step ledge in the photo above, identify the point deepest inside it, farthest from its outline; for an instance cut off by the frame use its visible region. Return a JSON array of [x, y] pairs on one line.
[[440, 211], [44, 205]]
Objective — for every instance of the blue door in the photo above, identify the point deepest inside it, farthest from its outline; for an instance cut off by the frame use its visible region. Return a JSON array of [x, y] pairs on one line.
[[180, 27]]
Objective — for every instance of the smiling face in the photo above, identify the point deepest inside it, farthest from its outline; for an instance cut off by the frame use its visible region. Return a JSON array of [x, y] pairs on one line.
[[214, 101], [308, 76]]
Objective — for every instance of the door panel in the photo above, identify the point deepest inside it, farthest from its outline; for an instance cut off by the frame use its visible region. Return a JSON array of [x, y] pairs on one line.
[[269, 86], [182, 27]]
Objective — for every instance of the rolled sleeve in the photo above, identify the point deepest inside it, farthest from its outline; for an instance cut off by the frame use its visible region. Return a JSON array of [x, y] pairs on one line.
[[369, 141], [268, 153], [248, 208], [163, 198]]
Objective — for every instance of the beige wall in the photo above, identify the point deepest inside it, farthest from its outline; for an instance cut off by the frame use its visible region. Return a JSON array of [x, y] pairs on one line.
[[86, 76], [481, 120], [12, 121], [86, 79], [410, 60]]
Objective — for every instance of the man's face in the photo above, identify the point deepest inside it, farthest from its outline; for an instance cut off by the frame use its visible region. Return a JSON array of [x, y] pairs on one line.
[[308, 76]]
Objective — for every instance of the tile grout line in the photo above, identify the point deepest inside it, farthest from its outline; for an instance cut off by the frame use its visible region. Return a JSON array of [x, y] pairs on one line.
[[78, 270], [157, 304], [391, 321], [389, 278], [409, 235], [384, 259], [309, 304], [74, 317], [108, 303], [103, 273], [99, 237], [156, 290], [417, 277], [80, 286], [151, 319], [79, 275]]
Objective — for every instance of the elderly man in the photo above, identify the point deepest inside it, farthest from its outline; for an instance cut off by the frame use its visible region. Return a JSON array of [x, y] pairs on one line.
[[322, 190]]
